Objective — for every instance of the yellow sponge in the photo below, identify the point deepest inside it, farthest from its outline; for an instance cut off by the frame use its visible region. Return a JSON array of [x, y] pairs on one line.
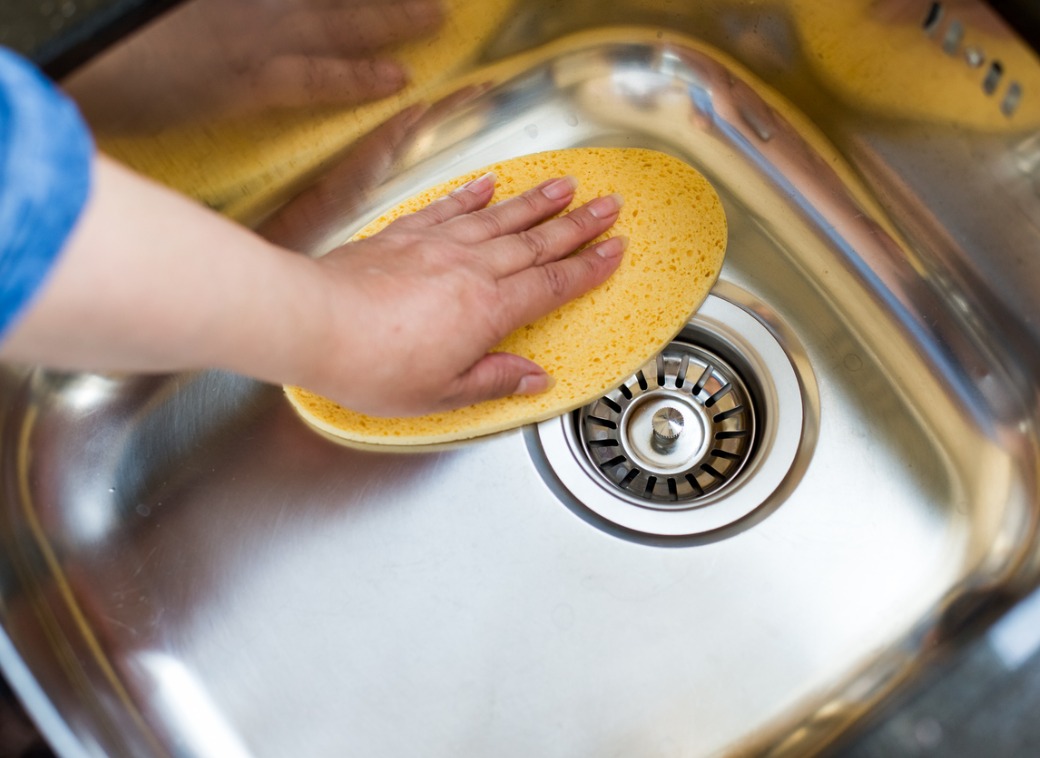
[[677, 237]]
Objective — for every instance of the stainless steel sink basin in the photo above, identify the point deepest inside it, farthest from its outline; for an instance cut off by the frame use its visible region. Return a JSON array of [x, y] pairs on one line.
[[186, 569]]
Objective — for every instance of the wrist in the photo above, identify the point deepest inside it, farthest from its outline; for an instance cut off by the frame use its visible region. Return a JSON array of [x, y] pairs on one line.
[[284, 338]]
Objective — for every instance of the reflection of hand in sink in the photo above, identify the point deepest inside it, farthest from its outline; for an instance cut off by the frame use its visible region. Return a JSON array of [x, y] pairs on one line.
[[258, 55], [307, 220]]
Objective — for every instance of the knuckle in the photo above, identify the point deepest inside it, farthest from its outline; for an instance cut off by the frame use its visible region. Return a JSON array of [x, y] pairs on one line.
[[496, 317], [556, 281], [440, 210], [445, 207], [580, 222], [535, 242], [500, 314], [491, 223], [530, 201], [455, 395]]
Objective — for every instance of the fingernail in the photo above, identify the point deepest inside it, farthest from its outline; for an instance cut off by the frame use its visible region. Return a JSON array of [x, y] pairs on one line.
[[605, 206], [479, 185], [534, 384], [612, 247], [560, 188]]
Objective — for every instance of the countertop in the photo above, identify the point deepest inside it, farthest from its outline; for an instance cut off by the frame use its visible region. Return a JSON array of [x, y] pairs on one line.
[[984, 701]]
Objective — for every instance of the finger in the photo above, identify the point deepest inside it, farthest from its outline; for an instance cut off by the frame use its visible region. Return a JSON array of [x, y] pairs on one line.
[[369, 160], [359, 29], [294, 80], [470, 197], [305, 221], [533, 292], [498, 375], [454, 101], [555, 239], [515, 214]]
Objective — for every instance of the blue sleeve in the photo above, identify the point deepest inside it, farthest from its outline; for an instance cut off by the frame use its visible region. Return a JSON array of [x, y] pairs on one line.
[[45, 159]]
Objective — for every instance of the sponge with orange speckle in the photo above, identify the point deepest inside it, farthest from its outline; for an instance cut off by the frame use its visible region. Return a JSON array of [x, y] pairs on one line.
[[677, 238]]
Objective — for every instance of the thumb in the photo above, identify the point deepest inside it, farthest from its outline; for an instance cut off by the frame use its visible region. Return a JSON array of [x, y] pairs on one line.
[[498, 375]]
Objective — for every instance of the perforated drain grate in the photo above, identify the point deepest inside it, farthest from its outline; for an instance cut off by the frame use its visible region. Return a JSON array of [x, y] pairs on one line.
[[677, 431], [698, 438]]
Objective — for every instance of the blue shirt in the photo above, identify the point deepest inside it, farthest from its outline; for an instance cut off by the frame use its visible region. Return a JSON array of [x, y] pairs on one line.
[[45, 159]]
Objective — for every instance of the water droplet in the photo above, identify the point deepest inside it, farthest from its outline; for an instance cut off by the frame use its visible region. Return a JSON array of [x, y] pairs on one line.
[[143, 510], [532, 130], [852, 362], [571, 119]]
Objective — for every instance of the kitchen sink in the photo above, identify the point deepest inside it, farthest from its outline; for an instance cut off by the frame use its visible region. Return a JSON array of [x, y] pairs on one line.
[[188, 569]]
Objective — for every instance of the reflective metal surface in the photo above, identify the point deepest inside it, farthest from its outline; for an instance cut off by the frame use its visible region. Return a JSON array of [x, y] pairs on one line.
[[186, 569], [680, 429], [754, 446]]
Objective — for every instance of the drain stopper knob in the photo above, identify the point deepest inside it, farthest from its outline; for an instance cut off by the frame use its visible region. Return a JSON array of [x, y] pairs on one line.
[[667, 424]]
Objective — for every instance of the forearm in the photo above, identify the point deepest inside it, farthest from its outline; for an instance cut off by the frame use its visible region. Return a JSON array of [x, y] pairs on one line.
[[149, 281], [141, 279]]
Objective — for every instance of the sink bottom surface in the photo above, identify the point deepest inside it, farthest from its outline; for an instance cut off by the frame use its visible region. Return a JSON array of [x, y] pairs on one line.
[[189, 569]]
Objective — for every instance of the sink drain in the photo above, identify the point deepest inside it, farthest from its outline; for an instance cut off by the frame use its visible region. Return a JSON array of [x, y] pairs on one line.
[[697, 439], [678, 431]]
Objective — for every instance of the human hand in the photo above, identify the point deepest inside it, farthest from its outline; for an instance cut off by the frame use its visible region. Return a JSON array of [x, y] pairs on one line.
[[409, 314], [400, 323], [311, 221], [234, 57]]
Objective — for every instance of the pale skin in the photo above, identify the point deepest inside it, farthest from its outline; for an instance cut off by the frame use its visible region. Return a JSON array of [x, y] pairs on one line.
[[210, 59], [149, 281]]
